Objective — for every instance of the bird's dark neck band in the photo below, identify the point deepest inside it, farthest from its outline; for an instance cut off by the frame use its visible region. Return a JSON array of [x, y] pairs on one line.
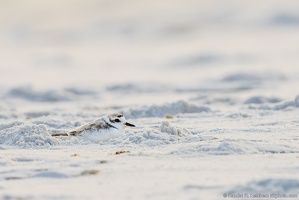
[[106, 119], [110, 125]]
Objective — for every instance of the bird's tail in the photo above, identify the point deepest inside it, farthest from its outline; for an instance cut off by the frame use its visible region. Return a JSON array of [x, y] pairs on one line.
[[64, 136], [59, 134]]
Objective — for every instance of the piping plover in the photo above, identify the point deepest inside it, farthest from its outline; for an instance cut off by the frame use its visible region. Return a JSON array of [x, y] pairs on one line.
[[104, 128]]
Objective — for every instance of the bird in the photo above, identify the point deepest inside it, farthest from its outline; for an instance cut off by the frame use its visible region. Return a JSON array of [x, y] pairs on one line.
[[105, 128]]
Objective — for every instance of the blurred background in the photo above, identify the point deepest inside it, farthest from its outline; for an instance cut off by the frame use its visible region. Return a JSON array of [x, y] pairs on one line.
[[99, 44]]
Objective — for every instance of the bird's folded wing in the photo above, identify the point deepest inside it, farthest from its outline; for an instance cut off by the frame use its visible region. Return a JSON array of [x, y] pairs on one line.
[[92, 126]]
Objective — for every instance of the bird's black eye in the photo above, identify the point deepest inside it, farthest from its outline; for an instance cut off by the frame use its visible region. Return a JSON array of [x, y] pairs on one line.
[[117, 120]]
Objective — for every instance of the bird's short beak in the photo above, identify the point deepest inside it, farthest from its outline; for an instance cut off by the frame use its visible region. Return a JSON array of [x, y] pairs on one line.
[[128, 124]]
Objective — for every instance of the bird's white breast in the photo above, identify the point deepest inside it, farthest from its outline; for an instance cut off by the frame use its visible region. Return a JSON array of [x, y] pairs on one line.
[[102, 134]]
